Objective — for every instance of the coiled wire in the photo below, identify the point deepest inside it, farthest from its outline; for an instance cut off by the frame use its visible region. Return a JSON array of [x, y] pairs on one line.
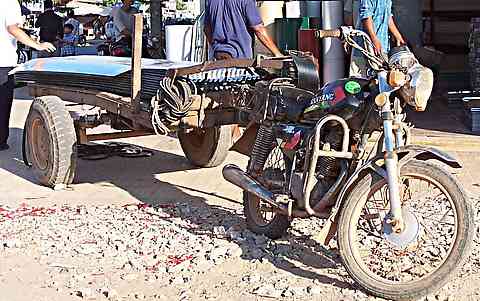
[[171, 104]]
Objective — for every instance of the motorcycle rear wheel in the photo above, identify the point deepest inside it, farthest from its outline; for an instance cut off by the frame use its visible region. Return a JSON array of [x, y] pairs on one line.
[[259, 216], [393, 277]]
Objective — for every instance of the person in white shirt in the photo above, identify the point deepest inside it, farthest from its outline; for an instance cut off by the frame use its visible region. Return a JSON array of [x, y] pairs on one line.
[[77, 25], [123, 19], [10, 32]]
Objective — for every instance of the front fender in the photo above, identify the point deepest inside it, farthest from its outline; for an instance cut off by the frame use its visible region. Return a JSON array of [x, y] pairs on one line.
[[422, 153]]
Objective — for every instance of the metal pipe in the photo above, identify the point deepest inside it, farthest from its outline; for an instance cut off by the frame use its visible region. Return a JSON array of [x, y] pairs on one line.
[[309, 174], [335, 154], [333, 52], [238, 177], [391, 164], [327, 197]]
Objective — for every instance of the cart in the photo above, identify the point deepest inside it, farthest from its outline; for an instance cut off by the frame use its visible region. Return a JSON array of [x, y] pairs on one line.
[[55, 125]]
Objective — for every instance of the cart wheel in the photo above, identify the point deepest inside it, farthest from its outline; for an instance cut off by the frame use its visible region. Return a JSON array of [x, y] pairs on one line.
[[51, 141], [206, 147]]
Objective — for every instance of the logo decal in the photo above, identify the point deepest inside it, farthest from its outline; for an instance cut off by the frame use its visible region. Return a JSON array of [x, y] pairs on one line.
[[322, 98], [339, 95], [353, 87], [321, 102]]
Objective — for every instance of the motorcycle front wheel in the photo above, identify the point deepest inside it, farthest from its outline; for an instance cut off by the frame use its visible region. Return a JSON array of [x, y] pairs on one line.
[[420, 260]]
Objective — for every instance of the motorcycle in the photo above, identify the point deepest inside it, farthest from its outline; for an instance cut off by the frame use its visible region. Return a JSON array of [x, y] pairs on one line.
[[123, 47], [403, 223], [82, 40]]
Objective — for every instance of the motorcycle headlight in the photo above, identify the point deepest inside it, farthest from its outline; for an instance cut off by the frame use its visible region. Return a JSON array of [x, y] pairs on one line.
[[417, 91], [402, 57]]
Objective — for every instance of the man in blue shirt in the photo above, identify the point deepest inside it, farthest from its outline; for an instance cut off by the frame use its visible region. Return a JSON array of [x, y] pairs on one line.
[[375, 19], [229, 25]]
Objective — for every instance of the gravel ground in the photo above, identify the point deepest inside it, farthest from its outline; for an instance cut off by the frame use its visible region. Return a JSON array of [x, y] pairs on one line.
[[178, 252]]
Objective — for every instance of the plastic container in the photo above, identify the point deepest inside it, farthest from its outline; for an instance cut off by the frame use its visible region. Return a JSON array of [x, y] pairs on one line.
[[178, 44]]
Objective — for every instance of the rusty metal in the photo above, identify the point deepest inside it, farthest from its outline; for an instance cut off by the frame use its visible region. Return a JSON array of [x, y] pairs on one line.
[[239, 63], [82, 137], [328, 199], [238, 177], [119, 135], [192, 121], [112, 103], [244, 145], [40, 143], [225, 116]]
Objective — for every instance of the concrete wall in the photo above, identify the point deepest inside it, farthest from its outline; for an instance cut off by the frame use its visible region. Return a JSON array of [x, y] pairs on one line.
[[453, 5], [408, 15]]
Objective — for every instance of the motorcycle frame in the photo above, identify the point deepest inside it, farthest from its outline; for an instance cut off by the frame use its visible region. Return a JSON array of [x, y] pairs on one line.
[[314, 153]]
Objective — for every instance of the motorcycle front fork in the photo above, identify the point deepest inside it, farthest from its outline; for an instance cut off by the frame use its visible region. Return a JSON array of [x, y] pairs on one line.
[[392, 141]]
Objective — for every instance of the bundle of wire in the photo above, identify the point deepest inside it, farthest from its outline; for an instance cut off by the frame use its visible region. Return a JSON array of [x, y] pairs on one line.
[[171, 104]]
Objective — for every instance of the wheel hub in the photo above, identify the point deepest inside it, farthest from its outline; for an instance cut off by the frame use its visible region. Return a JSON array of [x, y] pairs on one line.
[[408, 235]]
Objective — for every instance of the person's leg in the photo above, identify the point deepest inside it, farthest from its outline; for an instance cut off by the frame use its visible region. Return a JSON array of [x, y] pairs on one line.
[[6, 98]]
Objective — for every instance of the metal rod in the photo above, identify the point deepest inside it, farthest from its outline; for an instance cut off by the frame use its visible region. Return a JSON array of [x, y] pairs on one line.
[[309, 174], [391, 164], [119, 135], [327, 197], [335, 154], [238, 177]]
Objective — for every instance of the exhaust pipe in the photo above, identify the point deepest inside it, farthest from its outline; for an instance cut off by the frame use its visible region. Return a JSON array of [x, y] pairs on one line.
[[238, 177]]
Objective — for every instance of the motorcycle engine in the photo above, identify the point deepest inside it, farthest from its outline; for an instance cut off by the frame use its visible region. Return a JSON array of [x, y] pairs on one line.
[[326, 172]]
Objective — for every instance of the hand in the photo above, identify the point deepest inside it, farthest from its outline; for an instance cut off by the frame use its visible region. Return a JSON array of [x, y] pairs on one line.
[[400, 41], [278, 54], [378, 46], [45, 47]]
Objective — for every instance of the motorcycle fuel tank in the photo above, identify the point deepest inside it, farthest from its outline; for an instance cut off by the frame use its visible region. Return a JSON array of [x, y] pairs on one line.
[[342, 97]]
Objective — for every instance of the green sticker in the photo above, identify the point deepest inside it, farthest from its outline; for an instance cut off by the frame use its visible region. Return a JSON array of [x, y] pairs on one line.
[[353, 87], [319, 106]]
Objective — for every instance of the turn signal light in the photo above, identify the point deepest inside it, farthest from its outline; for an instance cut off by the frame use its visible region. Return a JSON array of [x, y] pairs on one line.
[[381, 99], [396, 79]]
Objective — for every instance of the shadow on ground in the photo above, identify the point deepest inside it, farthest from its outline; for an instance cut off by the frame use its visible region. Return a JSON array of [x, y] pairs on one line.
[[440, 117], [137, 176]]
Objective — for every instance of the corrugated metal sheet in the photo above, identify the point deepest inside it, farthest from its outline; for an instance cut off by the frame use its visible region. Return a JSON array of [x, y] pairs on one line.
[[112, 74]]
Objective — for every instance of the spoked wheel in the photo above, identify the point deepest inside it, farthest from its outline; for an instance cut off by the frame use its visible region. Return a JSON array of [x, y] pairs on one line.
[[421, 259], [260, 217]]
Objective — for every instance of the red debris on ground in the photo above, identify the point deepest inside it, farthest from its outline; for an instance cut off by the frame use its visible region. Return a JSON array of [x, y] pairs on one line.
[[24, 211], [154, 267], [138, 205], [175, 260]]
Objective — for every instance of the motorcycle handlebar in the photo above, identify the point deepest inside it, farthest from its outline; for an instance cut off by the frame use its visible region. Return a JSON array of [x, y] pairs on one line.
[[330, 33]]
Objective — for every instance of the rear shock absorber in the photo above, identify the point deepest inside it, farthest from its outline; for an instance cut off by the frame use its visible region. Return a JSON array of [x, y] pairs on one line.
[[261, 149]]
